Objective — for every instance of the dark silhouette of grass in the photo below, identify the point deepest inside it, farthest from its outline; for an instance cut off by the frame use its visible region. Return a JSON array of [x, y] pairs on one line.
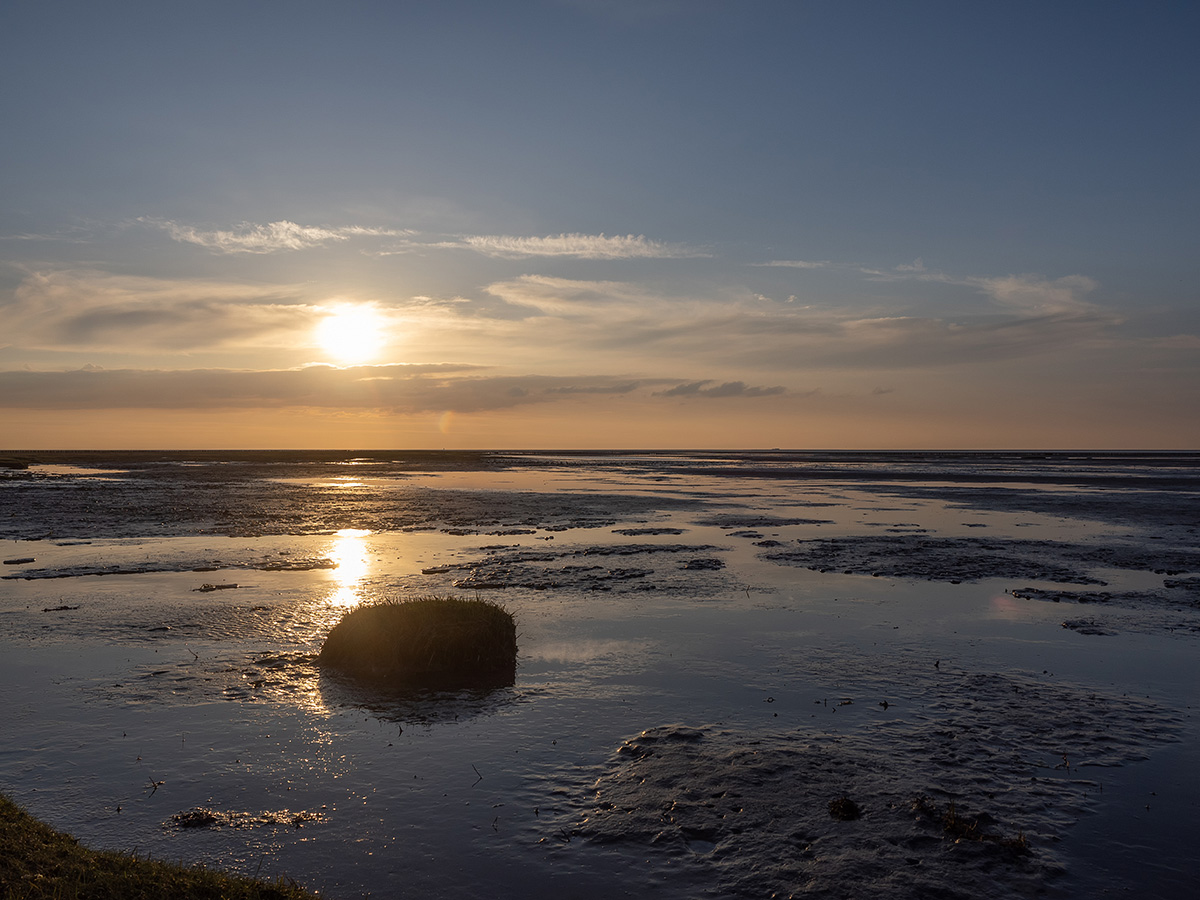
[[39, 863], [427, 642]]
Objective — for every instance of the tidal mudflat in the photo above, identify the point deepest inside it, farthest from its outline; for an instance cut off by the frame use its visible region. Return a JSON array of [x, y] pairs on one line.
[[739, 675]]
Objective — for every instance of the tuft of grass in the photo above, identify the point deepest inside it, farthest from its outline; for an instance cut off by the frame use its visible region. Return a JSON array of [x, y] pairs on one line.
[[39, 863], [428, 642]]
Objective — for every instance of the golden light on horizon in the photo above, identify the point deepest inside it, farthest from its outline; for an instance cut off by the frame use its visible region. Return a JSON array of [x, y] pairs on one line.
[[352, 334]]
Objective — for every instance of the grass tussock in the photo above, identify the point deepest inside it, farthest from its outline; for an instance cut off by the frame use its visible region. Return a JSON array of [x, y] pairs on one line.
[[39, 863], [434, 642]]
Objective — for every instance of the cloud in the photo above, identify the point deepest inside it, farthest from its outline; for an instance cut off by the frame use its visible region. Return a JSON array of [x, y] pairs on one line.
[[284, 235], [1025, 293], [898, 342], [620, 387], [1036, 294], [797, 263], [728, 389], [559, 296], [736, 332], [72, 309], [575, 246], [274, 237], [400, 389], [1178, 342]]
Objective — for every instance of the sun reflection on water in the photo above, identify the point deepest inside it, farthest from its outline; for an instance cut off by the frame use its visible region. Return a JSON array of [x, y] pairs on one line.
[[349, 551]]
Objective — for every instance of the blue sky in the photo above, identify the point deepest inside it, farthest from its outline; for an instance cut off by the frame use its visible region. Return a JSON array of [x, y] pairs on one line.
[[600, 223]]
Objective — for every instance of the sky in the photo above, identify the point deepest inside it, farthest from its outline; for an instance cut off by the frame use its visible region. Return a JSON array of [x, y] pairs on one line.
[[599, 224]]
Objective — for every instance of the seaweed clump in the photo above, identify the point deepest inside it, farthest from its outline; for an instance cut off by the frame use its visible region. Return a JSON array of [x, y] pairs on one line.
[[440, 643], [960, 828]]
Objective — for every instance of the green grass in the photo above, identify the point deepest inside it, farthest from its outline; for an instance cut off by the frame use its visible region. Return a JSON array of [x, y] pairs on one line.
[[39, 863], [427, 642]]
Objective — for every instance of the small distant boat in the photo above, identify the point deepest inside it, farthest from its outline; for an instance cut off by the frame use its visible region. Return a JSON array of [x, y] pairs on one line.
[[205, 588]]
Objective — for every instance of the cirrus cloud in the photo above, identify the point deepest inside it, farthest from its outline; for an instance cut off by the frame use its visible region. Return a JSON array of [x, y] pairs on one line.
[[273, 237], [577, 246]]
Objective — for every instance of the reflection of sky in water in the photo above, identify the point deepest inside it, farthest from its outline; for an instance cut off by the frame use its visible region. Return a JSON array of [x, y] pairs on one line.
[[349, 551]]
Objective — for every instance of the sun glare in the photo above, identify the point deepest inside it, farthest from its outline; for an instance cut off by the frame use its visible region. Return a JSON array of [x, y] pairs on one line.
[[352, 334], [349, 551]]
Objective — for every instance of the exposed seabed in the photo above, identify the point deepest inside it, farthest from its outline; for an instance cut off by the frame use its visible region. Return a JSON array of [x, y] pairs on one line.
[[999, 676]]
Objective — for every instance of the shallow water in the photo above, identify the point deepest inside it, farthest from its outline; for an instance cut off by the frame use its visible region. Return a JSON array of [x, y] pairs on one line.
[[789, 628]]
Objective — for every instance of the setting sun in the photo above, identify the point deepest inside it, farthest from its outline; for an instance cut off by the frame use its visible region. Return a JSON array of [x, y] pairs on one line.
[[352, 334]]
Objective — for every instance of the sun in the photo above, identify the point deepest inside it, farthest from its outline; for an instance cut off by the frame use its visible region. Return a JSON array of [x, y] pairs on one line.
[[352, 334]]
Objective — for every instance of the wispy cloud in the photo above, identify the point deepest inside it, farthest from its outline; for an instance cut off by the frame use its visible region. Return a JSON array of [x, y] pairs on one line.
[[284, 235], [619, 387], [1037, 294], [558, 296], [1029, 293], [273, 237], [89, 309], [398, 389], [728, 389], [575, 246], [748, 331], [797, 263]]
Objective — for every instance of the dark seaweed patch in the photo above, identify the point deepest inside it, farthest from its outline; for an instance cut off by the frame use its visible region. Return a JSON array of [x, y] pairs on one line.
[[575, 569], [758, 520], [933, 559], [640, 532], [178, 563]]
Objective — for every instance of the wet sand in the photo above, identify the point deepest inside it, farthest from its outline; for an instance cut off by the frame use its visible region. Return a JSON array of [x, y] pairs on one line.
[[714, 653]]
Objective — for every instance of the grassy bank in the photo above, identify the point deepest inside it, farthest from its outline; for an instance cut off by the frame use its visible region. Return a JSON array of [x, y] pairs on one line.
[[39, 863]]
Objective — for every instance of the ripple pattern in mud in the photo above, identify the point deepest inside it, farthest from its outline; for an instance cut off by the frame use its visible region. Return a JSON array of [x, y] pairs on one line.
[[972, 559], [966, 800]]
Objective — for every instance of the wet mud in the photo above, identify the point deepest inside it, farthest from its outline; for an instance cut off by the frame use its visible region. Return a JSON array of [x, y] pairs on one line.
[[974, 559], [958, 776], [967, 798], [588, 569], [253, 501], [752, 520], [281, 562]]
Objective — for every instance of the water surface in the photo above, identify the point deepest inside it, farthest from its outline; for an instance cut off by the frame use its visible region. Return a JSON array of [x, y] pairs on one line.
[[713, 648]]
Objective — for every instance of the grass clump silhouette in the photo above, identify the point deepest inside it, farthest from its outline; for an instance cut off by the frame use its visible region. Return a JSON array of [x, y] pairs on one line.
[[425, 642], [39, 863]]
